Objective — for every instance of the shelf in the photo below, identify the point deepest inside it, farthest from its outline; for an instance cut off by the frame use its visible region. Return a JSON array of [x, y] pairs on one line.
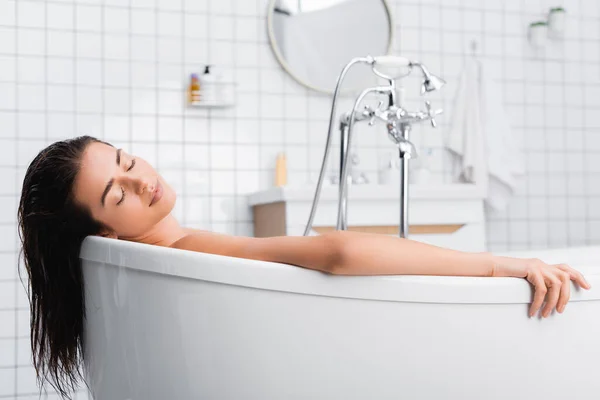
[[210, 105], [370, 192]]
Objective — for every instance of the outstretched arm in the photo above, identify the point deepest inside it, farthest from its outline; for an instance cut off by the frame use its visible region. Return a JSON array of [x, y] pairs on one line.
[[352, 253], [346, 253]]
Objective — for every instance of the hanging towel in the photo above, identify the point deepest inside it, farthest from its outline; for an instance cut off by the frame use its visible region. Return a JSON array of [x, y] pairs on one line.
[[481, 140]]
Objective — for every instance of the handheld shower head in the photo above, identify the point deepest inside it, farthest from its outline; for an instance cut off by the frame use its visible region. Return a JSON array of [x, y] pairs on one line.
[[430, 82], [395, 67], [391, 67]]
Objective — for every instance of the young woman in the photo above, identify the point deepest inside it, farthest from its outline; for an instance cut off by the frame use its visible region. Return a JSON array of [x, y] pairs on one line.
[[83, 186]]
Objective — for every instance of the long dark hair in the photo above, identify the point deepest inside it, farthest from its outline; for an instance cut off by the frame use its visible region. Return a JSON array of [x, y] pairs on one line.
[[52, 227]]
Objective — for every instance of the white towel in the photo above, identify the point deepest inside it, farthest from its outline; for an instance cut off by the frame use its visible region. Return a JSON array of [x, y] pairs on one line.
[[481, 138]]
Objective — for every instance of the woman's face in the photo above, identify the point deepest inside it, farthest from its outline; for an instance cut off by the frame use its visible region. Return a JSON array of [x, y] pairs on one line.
[[119, 189]]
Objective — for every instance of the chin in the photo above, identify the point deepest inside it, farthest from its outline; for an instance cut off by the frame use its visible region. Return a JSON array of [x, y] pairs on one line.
[[169, 198]]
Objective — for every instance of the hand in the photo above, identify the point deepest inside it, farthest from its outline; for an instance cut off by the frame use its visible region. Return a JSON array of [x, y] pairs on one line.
[[551, 282]]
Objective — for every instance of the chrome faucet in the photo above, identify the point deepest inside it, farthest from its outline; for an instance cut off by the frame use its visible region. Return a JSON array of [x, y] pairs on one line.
[[398, 122]]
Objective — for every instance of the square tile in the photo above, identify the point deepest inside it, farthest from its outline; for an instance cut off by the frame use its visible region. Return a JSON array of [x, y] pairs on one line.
[[8, 69], [60, 16], [60, 98], [116, 73], [7, 13], [33, 42], [170, 24], [88, 18], [31, 14], [170, 129], [143, 102], [32, 125], [60, 71], [88, 45], [7, 325], [222, 182], [116, 47], [116, 20], [31, 98], [8, 39], [7, 382], [144, 129]]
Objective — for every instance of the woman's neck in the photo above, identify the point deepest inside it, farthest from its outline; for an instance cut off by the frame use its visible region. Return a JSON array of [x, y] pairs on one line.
[[164, 233]]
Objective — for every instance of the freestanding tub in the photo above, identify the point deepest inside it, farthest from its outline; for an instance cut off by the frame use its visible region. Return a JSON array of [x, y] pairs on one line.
[[173, 324]]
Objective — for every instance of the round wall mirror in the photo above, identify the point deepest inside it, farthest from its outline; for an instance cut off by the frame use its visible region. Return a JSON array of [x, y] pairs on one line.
[[314, 39]]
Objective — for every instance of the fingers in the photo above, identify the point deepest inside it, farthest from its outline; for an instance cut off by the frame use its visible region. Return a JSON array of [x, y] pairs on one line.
[[565, 291], [575, 276], [536, 279], [553, 284]]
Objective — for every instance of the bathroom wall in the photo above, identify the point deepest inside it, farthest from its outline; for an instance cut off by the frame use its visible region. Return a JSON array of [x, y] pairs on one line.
[[114, 69]]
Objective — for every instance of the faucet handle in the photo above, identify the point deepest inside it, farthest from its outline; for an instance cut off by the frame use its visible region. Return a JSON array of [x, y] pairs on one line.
[[375, 112], [431, 114]]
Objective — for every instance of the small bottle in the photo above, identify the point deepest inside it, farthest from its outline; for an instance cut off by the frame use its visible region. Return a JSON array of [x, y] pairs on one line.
[[194, 90], [281, 170], [209, 86]]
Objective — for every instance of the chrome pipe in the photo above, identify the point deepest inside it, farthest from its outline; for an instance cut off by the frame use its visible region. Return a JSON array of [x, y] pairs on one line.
[[404, 159], [342, 219], [398, 122], [311, 217]]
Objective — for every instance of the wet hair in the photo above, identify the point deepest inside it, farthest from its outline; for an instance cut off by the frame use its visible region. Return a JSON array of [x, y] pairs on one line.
[[52, 227]]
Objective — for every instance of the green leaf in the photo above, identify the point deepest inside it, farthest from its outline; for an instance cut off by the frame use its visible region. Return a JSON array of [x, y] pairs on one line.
[[538, 23]]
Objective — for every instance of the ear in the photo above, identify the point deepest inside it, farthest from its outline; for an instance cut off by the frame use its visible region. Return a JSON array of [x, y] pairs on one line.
[[108, 234]]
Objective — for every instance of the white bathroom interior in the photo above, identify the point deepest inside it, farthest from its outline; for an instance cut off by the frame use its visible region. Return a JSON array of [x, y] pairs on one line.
[[510, 165]]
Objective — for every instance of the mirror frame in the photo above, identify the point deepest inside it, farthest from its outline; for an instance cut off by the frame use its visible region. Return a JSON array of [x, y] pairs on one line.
[[287, 67]]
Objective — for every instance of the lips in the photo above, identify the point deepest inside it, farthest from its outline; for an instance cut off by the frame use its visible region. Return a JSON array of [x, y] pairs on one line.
[[157, 194]]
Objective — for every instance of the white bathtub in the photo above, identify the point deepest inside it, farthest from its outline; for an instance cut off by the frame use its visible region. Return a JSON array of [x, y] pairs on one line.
[[172, 324]]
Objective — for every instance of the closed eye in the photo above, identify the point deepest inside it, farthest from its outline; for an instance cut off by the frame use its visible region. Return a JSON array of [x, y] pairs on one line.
[[123, 190], [132, 165], [123, 197]]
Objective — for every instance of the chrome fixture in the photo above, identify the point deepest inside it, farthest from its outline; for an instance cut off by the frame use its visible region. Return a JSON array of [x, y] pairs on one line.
[[398, 122], [430, 82]]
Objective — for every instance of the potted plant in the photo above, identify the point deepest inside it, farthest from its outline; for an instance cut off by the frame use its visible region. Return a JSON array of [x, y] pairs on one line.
[[538, 31], [556, 21]]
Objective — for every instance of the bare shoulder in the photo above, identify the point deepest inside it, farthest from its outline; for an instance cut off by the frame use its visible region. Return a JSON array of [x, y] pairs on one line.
[[314, 252], [210, 242]]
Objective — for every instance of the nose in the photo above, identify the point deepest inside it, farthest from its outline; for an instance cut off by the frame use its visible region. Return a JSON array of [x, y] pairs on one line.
[[139, 184]]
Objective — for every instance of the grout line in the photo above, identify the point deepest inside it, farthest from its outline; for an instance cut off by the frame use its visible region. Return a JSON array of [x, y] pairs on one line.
[[236, 196], [585, 153], [186, 79], [509, 218], [209, 121], [17, 125], [156, 88], [130, 86], [524, 152], [103, 72]]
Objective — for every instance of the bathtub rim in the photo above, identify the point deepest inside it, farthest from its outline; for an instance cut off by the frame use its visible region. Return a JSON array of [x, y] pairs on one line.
[[287, 278]]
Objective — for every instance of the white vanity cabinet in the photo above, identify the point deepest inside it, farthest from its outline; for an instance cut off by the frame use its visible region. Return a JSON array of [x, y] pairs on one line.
[[448, 215]]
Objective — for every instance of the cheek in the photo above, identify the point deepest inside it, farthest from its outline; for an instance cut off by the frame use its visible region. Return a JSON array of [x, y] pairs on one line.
[[130, 219], [171, 198]]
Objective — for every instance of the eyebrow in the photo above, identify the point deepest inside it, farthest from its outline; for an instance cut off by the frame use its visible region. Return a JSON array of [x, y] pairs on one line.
[[110, 183]]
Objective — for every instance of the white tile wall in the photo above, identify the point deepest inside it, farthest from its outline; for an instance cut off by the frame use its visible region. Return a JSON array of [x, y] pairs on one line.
[[115, 69]]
